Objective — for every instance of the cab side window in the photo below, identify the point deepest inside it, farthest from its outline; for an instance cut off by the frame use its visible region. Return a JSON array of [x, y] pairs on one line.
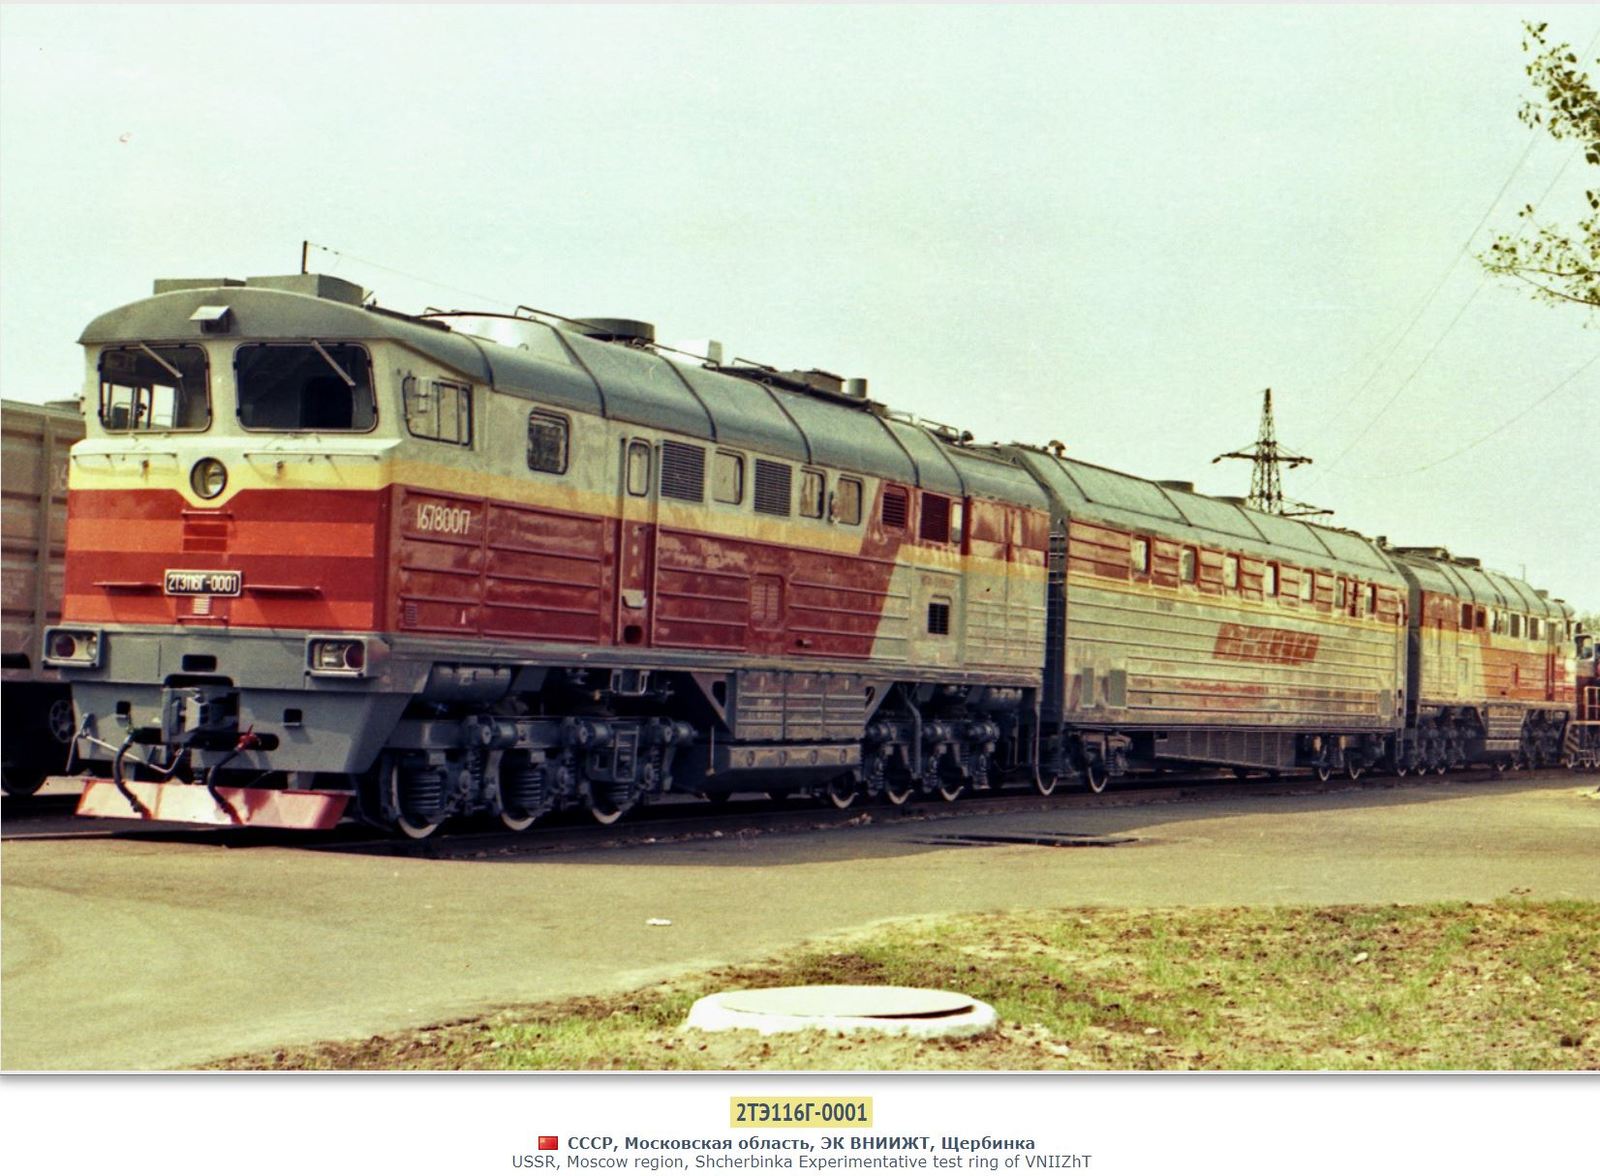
[[813, 493], [637, 473], [847, 501], [727, 477], [438, 410], [547, 442]]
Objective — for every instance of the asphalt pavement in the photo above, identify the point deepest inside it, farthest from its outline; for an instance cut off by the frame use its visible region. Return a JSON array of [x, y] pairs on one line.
[[157, 953]]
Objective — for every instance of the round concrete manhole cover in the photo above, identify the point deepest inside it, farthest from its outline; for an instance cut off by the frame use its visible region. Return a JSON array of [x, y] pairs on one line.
[[845, 1008]]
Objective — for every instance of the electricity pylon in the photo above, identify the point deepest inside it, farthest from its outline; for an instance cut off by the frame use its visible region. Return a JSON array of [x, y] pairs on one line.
[[1266, 455]]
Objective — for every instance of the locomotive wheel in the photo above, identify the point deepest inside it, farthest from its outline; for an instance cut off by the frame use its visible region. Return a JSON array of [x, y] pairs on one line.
[[1353, 769], [1044, 783], [414, 830], [21, 781], [410, 825], [842, 792], [950, 790], [1324, 771], [897, 792], [604, 806], [1095, 777]]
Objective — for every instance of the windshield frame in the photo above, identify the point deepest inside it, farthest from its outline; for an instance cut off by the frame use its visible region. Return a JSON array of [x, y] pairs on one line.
[[147, 352], [324, 349]]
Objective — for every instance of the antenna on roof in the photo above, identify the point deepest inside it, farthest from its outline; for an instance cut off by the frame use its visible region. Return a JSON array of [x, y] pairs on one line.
[[1266, 483]]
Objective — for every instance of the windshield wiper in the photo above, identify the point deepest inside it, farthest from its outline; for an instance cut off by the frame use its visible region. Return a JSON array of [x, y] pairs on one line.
[[343, 375]]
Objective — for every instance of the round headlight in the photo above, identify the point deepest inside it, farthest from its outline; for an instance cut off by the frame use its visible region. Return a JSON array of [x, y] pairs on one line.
[[209, 477]]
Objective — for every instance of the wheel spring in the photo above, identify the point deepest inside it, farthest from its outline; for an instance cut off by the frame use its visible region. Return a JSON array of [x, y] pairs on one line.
[[525, 789], [620, 795], [422, 793]]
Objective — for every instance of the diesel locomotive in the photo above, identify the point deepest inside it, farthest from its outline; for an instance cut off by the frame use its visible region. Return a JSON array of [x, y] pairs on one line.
[[322, 556]]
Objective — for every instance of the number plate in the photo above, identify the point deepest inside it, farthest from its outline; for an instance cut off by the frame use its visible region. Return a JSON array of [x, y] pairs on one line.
[[204, 583]]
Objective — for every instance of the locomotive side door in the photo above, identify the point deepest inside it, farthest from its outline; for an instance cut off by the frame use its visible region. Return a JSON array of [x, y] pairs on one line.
[[636, 541]]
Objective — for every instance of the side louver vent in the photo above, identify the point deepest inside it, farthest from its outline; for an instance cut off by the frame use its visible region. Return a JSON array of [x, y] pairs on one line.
[[774, 493], [683, 471]]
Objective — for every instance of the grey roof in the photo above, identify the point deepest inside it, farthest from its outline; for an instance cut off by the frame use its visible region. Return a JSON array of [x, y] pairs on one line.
[[559, 367], [1079, 489], [1437, 571], [988, 474], [640, 387], [745, 415]]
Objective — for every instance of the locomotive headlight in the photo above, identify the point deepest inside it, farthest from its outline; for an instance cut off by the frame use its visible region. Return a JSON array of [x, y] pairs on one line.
[[342, 657], [209, 477], [72, 647]]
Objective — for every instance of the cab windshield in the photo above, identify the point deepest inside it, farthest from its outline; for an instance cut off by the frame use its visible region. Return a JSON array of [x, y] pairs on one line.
[[150, 388], [315, 387]]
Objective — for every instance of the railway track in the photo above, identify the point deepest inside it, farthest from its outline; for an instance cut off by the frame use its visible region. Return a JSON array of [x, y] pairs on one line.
[[50, 817]]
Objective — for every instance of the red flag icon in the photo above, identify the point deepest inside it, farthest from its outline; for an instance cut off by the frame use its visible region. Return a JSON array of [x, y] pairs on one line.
[[549, 1142]]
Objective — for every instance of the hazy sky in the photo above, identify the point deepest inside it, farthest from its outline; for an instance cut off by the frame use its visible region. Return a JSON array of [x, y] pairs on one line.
[[1108, 226]]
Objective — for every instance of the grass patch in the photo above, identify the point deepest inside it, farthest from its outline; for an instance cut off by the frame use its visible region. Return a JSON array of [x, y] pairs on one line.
[[1507, 986]]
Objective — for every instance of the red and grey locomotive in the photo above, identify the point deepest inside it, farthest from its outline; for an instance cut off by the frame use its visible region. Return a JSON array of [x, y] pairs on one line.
[[322, 555]]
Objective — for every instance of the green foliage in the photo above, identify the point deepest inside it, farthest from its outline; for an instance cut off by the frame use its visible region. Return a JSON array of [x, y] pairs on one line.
[[1561, 265]]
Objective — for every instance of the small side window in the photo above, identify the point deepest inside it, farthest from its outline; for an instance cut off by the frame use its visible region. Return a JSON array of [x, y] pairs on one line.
[[1270, 581], [935, 523], [1308, 585], [896, 508], [813, 493], [1187, 561], [1516, 625], [1139, 556], [1535, 630], [727, 477], [1478, 621], [1372, 600], [437, 410], [939, 616], [1230, 571], [847, 501], [547, 442], [1466, 616], [1341, 593], [638, 468]]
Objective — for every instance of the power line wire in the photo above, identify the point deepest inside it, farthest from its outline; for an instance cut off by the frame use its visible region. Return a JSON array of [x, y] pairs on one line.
[[414, 277], [1482, 279], [1495, 432], [1534, 137]]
